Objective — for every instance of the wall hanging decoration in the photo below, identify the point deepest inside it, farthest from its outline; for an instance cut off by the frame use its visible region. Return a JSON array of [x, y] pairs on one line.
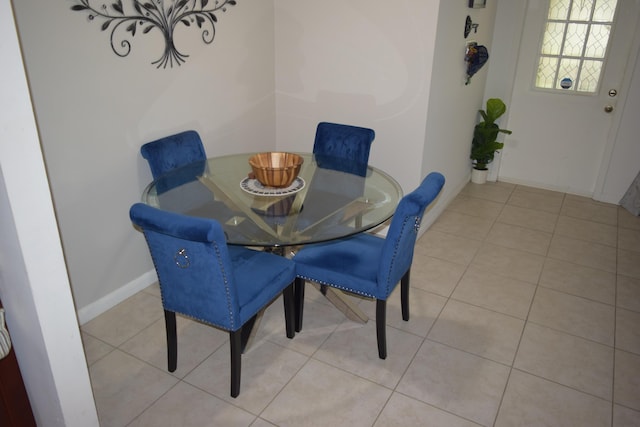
[[125, 20], [566, 83], [475, 56], [468, 26], [477, 4]]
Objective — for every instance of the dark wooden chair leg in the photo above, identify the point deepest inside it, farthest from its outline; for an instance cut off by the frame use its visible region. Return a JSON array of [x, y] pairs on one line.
[[381, 327], [235, 340], [172, 340], [289, 310], [404, 295], [299, 304]]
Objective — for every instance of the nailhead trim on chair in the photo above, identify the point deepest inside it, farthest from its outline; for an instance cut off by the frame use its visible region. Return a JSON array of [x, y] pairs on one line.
[[333, 285], [395, 250], [226, 286], [416, 220]]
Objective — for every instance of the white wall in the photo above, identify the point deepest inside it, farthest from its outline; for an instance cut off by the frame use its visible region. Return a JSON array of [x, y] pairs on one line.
[[397, 68], [361, 62], [95, 109], [34, 287], [509, 20], [453, 106]]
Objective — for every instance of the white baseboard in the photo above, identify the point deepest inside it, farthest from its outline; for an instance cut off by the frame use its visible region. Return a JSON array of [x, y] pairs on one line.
[[108, 301], [534, 184]]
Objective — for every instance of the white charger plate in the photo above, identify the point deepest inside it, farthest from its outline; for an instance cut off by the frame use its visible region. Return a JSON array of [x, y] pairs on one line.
[[253, 186]]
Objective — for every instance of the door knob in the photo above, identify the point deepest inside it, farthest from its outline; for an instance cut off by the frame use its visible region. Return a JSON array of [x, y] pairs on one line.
[[608, 108]]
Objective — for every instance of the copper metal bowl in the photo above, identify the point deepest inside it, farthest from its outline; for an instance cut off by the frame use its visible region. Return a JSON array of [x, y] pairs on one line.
[[276, 169]]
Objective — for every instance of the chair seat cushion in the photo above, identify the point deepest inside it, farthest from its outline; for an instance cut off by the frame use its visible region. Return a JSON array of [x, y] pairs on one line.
[[258, 276], [350, 264]]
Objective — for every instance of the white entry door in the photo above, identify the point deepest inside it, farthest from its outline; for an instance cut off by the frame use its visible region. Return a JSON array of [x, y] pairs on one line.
[[561, 136]]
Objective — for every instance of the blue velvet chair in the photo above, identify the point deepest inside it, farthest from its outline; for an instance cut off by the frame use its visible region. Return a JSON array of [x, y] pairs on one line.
[[368, 265], [171, 152], [343, 147], [203, 278]]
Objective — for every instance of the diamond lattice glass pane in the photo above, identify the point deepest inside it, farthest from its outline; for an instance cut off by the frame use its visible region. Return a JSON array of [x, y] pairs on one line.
[[568, 69], [558, 9], [581, 10], [604, 10], [553, 38], [598, 39], [589, 76], [574, 45], [575, 39], [545, 76]]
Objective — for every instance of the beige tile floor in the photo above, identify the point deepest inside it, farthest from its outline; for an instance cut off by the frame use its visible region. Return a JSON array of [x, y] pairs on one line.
[[525, 311]]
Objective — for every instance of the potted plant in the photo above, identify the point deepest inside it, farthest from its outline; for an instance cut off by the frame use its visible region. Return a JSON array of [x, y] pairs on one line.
[[485, 135]]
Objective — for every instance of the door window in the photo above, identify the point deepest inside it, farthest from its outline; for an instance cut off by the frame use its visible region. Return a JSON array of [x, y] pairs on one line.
[[574, 45]]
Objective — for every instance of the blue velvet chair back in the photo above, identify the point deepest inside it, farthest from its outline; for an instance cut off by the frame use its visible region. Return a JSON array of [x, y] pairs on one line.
[[171, 152], [397, 250], [193, 265], [343, 147]]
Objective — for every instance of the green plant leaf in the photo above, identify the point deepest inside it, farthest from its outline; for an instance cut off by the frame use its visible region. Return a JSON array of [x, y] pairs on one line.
[[485, 134], [495, 109]]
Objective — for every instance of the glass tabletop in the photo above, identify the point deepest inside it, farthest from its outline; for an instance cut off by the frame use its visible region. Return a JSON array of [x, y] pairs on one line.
[[329, 199]]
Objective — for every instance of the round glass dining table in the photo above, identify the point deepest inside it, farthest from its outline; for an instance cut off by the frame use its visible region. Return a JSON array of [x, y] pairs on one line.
[[331, 198]]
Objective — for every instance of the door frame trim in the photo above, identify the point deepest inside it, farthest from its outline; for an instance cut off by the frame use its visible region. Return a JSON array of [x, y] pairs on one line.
[[621, 103]]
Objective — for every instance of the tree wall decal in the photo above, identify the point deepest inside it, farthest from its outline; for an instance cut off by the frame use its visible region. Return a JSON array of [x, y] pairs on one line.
[[125, 21]]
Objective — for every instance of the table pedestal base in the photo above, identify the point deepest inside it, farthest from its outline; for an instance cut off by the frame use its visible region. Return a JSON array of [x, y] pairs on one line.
[[335, 296], [342, 303]]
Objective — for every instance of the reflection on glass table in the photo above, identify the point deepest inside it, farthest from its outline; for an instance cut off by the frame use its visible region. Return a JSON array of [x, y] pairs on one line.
[[327, 201]]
